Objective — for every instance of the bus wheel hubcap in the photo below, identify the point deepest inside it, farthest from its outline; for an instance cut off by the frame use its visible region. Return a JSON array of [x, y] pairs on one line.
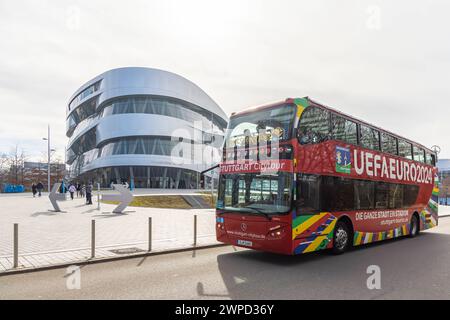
[[341, 238], [414, 227]]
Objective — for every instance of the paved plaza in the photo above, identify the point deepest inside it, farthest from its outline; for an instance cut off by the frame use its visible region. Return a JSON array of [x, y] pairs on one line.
[[47, 237]]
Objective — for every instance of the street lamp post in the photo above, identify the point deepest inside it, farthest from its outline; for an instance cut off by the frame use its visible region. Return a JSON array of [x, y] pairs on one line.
[[48, 157]]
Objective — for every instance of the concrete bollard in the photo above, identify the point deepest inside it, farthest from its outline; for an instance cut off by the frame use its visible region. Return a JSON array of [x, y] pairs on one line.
[[92, 239], [195, 230], [149, 234], [16, 245]]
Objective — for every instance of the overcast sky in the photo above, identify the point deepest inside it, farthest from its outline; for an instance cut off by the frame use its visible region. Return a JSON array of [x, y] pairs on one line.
[[387, 62]]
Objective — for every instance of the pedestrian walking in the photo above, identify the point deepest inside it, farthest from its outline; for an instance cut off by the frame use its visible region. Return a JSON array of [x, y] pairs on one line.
[[89, 188], [39, 188], [83, 190], [34, 189], [72, 190], [78, 190]]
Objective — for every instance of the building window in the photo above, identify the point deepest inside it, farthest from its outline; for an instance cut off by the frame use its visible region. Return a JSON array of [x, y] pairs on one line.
[[163, 106], [84, 111], [84, 94], [148, 145]]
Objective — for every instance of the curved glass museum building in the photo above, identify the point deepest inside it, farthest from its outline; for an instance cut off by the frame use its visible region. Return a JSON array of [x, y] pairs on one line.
[[149, 127]]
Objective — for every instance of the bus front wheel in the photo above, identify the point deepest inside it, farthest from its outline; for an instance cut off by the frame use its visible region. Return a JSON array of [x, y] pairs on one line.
[[341, 237], [414, 226]]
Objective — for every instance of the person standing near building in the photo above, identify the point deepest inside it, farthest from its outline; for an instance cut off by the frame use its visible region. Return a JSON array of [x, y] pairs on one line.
[[39, 188], [78, 190], [83, 190], [89, 188], [34, 189], [72, 190]]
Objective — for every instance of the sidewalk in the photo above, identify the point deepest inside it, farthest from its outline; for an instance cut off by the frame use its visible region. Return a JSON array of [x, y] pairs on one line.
[[47, 237], [444, 211]]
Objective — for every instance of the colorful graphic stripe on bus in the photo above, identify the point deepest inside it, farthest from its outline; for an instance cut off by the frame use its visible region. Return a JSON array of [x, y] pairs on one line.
[[369, 237], [313, 243], [319, 228], [429, 215], [301, 104], [435, 193]]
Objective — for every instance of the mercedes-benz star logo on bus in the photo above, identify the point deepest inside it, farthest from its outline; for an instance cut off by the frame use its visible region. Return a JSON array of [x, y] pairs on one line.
[[244, 227]]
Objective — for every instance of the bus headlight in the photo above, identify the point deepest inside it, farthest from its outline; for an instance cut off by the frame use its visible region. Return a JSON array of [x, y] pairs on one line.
[[277, 232]]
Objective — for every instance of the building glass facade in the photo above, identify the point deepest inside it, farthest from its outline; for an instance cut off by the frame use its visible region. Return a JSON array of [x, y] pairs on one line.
[[122, 127]]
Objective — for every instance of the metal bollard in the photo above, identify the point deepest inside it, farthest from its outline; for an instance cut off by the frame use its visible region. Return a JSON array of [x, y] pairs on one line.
[[16, 245], [92, 239], [149, 234], [195, 230]]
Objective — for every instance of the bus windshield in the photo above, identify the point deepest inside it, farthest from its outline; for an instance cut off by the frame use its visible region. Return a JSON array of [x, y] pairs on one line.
[[255, 193], [272, 123]]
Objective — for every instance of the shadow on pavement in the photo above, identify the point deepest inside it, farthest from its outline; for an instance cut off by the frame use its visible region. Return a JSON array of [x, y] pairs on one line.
[[410, 268], [105, 215], [47, 213]]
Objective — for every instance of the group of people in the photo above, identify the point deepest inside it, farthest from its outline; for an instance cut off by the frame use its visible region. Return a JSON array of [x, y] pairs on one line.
[[81, 190], [37, 188]]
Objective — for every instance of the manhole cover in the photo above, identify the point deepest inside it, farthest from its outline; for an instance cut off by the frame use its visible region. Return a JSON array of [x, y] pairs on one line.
[[126, 250]]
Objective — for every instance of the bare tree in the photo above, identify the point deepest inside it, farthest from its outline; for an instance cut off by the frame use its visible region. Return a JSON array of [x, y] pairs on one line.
[[16, 161], [57, 168], [4, 166]]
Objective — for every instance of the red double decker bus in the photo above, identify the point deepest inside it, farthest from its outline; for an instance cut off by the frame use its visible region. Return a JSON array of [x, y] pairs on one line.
[[298, 176]]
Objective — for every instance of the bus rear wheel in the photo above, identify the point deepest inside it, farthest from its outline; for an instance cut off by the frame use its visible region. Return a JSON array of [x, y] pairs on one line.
[[341, 237], [414, 227]]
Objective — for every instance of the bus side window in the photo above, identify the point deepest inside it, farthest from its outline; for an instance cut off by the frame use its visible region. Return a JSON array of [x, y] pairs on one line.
[[430, 158], [404, 149], [410, 194], [419, 154], [381, 195], [364, 194], [369, 137], [433, 159], [313, 126], [337, 194], [308, 194], [395, 196], [388, 143], [343, 129]]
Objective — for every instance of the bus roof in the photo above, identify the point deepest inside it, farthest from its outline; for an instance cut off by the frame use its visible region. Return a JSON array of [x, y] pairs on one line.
[[315, 103]]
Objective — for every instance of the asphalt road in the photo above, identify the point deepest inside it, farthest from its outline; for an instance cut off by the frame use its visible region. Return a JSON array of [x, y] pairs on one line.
[[410, 268]]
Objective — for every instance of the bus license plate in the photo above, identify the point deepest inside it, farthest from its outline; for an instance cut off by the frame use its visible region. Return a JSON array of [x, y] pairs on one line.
[[244, 243]]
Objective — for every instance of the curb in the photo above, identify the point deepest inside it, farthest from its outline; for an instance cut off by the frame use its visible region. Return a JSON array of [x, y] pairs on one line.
[[107, 259]]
